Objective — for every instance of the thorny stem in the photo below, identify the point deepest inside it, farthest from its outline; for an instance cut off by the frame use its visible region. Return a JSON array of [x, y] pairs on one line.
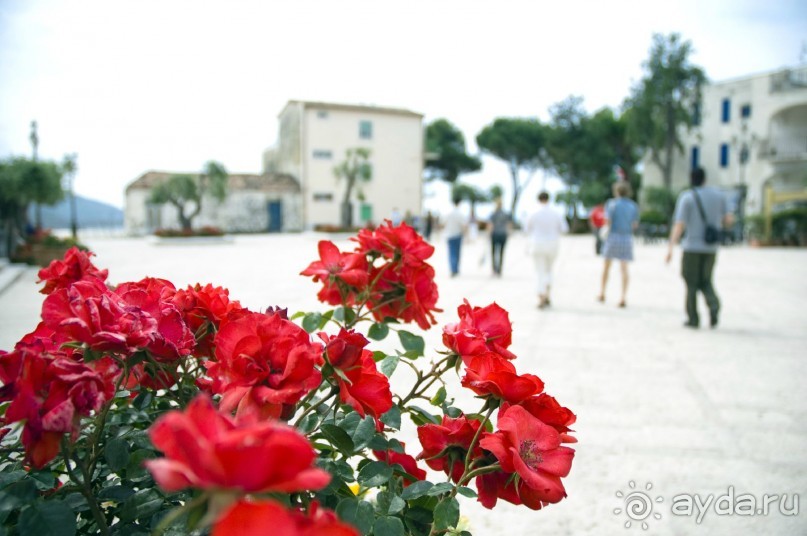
[[433, 375], [311, 408], [85, 489], [474, 441]]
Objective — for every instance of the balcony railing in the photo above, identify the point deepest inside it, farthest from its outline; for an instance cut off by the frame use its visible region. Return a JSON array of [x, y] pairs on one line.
[[789, 149], [789, 79]]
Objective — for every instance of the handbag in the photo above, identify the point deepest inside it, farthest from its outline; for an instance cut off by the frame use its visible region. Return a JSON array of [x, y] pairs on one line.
[[712, 233]]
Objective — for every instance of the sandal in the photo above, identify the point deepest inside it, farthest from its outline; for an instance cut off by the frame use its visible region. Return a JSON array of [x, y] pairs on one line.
[[621, 304]]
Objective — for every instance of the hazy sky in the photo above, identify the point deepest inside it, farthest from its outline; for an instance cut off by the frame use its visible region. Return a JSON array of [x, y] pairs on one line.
[[141, 84]]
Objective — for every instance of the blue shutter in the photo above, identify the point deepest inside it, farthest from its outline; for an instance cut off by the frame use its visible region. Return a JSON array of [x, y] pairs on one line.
[[726, 110], [696, 156], [724, 155]]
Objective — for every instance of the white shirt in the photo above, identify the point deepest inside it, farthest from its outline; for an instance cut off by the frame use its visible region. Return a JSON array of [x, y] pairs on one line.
[[455, 223], [545, 225]]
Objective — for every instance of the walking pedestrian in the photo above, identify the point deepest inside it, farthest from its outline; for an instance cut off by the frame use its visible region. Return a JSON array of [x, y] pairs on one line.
[[700, 213], [596, 222], [499, 229], [543, 228], [456, 225], [622, 217]]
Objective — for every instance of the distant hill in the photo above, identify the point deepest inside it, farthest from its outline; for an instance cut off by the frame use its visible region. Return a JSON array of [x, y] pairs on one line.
[[89, 213]]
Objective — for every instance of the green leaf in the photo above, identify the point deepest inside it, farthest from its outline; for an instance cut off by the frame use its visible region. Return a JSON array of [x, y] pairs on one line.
[[388, 526], [378, 331], [311, 322], [420, 416], [440, 488], [143, 399], [54, 518], [439, 397], [418, 520], [388, 365], [326, 317], [378, 356], [357, 513], [116, 493], [446, 514], [344, 314], [142, 504], [44, 480], [467, 492], [411, 342], [338, 438], [387, 503], [375, 474], [364, 433], [297, 315], [416, 489], [10, 477], [392, 418], [117, 454]]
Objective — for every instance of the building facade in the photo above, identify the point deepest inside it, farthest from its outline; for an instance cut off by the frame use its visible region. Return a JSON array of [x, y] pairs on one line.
[[314, 137], [271, 202], [749, 133]]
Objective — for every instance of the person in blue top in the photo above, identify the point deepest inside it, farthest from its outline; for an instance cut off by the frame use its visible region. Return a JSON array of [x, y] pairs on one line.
[[622, 217]]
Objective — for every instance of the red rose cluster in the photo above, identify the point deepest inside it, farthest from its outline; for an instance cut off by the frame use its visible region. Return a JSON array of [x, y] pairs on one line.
[[531, 425], [387, 272]]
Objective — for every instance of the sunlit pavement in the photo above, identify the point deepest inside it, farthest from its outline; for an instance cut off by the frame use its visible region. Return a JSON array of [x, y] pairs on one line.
[[687, 411]]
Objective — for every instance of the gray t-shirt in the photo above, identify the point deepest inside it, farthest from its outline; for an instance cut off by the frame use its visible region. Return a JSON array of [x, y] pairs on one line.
[[499, 222], [686, 210]]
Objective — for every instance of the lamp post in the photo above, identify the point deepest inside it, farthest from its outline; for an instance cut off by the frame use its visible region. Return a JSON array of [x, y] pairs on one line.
[[69, 166]]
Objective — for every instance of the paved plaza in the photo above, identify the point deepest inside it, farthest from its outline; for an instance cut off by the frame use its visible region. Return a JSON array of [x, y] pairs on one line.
[[685, 411]]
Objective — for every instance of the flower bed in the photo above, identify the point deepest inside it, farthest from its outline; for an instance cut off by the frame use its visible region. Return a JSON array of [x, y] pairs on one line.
[[149, 409]]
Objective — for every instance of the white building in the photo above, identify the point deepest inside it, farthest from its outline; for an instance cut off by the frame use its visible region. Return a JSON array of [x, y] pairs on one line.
[[752, 132], [313, 138], [254, 203]]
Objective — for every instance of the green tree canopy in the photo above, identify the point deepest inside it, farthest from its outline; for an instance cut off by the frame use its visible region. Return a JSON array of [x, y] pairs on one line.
[[663, 101], [470, 193], [354, 169], [446, 157], [520, 143], [186, 192]]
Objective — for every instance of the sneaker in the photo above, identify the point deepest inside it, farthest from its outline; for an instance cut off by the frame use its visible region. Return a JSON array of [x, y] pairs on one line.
[[690, 325]]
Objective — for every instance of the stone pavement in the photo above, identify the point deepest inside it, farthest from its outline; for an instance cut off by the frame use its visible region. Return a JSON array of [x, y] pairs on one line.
[[689, 412]]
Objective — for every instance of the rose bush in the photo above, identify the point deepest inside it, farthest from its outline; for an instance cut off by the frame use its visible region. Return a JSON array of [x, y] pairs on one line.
[[147, 409]]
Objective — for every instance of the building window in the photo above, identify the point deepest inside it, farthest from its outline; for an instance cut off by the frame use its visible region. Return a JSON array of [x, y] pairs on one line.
[[323, 196], [322, 154], [745, 111], [696, 156], [365, 130], [724, 155], [696, 114], [322, 114], [726, 110]]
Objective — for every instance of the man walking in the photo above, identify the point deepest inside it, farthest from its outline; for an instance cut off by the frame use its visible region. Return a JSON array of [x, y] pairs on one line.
[[456, 225], [700, 212], [543, 229]]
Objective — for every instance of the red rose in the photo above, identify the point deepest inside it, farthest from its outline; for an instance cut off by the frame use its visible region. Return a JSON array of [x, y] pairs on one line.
[[253, 518], [547, 410], [205, 449], [75, 266], [527, 446], [172, 339], [406, 293], [480, 330], [205, 310], [99, 318], [344, 350], [335, 267], [491, 374], [446, 445], [263, 362], [366, 389], [407, 462], [501, 485], [394, 242]]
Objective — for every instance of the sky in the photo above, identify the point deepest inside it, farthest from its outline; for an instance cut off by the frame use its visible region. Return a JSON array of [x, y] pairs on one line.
[[132, 86]]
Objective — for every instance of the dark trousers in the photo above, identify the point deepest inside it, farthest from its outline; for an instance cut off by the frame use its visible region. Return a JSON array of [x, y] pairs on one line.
[[497, 242], [454, 244], [696, 269]]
